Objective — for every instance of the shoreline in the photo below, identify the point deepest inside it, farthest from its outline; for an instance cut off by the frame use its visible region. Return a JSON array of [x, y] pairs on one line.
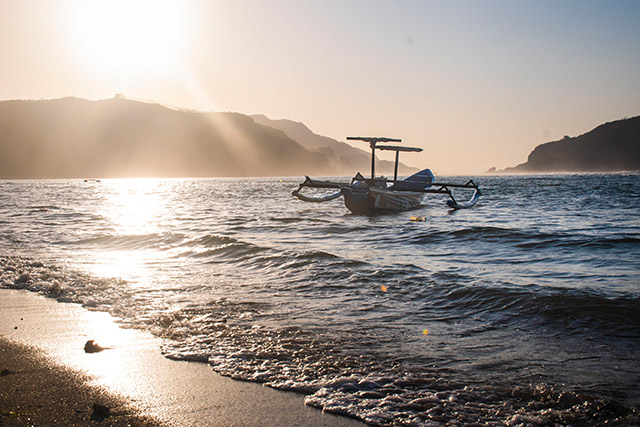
[[42, 347]]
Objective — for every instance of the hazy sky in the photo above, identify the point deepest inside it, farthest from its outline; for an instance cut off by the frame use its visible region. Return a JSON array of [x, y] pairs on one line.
[[475, 83]]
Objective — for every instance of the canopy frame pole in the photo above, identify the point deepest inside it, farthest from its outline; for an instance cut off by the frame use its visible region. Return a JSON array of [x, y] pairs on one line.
[[373, 141], [373, 160], [395, 170]]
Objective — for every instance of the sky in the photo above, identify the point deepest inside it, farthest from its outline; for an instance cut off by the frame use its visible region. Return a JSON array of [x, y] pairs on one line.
[[476, 84]]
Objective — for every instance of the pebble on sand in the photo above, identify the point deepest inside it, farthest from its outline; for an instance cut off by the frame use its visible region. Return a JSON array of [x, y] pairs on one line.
[[92, 347], [100, 412]]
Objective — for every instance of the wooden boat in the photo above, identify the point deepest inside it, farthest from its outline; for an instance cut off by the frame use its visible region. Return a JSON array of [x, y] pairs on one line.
[[380, 195]]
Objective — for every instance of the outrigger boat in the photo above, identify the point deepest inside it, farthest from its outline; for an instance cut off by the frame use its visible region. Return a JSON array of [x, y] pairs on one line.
[[379, 195]]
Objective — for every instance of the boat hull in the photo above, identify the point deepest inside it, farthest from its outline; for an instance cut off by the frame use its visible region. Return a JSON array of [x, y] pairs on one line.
[[368, 200]]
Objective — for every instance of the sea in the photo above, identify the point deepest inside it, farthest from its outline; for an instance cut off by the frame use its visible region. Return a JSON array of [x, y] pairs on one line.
[[524, 310]]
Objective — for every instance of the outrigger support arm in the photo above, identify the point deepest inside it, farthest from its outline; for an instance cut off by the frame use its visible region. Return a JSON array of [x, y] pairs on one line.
[[444, 188], [314, 183], [308, 182]]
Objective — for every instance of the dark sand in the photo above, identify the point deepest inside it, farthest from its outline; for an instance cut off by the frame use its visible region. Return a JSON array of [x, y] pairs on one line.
[[51, 380]]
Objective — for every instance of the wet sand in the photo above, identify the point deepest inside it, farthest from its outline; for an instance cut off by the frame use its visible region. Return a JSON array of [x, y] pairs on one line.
[[50, 379], [36, 391]]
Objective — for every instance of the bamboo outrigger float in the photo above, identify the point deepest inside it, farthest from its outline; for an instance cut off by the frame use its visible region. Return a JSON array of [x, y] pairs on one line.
[[378, 195]]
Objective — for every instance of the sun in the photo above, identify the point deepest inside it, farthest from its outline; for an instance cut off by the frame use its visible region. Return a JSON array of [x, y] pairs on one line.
[[130, 36]]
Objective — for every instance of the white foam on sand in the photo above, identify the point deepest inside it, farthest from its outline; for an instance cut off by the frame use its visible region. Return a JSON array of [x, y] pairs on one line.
[[178, 392]]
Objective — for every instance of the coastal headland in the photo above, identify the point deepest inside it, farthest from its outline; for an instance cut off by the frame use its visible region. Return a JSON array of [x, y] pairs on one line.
[[610, 147]]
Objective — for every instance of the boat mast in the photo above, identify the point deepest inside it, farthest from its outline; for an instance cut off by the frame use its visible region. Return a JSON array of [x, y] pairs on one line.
[[373, 159], [395, 169]]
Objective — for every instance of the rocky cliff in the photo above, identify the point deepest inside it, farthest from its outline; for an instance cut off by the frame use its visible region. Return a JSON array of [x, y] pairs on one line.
[[610, 147]]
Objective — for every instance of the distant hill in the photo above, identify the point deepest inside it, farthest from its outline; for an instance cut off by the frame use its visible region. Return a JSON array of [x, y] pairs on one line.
[[344, 159], [610, 147], [77, 138]]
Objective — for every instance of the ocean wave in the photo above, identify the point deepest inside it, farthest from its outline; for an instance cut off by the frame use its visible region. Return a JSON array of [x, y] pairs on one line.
[[573, 311], [477, 233], [385, 402], [44, 208], [579, 241], [132, 242], [351, 370], [210, 241], [63, 284], [297, 219], [220, 249], [441, 292]]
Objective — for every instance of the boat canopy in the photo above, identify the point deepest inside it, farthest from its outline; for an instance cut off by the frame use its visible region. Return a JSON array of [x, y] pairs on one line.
[[397, 148], [373, 143]]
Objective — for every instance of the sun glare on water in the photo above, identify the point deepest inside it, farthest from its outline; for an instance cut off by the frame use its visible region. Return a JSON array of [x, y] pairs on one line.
[[135, 209], [130, 36]]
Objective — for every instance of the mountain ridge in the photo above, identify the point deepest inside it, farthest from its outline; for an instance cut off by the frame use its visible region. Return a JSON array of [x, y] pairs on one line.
[[74, 138], [345, 158], [77, 138]]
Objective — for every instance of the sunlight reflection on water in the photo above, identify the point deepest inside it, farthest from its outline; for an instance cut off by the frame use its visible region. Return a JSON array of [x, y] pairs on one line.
[[134, 265], [134, 206], [135, 210]]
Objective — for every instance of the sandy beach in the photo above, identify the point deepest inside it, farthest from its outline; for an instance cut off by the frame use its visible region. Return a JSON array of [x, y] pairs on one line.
[[48, 379], [36, 391]]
